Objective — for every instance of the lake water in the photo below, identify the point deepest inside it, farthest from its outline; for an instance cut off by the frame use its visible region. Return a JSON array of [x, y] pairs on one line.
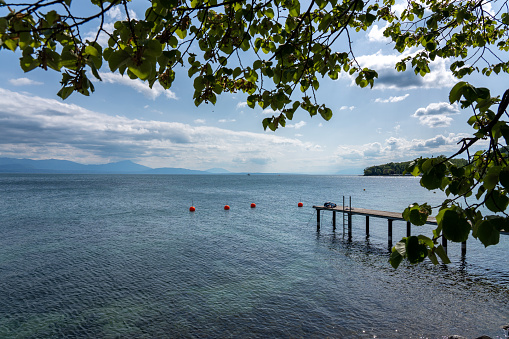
[[108, 256]]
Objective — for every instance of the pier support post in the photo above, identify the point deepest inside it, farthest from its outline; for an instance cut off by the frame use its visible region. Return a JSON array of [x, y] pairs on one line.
[[317, 220], [464, 248], [349, 226], [333, 220], [367, 225], [444, 244], [408, 229], [389, 232]]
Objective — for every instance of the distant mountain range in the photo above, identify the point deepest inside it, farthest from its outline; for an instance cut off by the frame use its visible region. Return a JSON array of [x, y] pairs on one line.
[[10, 165]]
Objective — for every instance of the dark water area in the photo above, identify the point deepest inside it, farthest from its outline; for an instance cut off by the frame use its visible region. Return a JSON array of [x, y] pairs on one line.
[[121, 256]]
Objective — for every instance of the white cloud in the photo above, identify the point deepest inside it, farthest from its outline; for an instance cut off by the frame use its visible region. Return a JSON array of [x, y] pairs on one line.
[[199, 121], [440, 108], [115, 13], [372, 150], [138, 85], [392, 99], [226, 120], [436, 114], [399, 7], [351, 108], [487, 7], [389, 78], [399, 149], [298, 125], [24, 82], [241, 104], [376, 34], [36, 127], [270, 111], [435, 121]]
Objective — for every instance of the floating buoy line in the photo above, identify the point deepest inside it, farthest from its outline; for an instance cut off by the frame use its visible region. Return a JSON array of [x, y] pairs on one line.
[[227, 207]]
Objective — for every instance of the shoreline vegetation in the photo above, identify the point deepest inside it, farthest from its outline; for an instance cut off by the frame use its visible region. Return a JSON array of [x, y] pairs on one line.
[[398, 168]]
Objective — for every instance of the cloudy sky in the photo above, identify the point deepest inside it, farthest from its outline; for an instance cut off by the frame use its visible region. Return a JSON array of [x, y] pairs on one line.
[[403, 117]]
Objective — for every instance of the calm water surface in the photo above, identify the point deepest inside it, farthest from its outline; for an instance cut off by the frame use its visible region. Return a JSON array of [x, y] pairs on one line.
[[121, 256]]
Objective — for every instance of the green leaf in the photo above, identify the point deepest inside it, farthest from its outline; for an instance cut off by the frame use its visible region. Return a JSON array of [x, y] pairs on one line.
[[415, 214], [488, 233], [490, 180], [181, 33], [257, 64], [456, 92], [295, 9], [496, 201], [251, 102], [416, 252], [65, 92], [11, 44], [504, 177], [28, 63], [142, 71], [455, 227], [396, 258], [117, 59], [153, 48], [440, 251], [432, 256], [401, 247], [236, 72], [326, 113], [91, 50], [199, 84], [433, 174], [95, 72], [425, 240]]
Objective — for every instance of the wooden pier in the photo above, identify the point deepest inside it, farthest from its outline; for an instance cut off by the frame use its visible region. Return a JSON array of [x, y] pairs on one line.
[[390, 216]]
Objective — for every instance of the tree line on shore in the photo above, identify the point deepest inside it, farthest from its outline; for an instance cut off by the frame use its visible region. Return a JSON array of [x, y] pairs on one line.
[[398, 168]]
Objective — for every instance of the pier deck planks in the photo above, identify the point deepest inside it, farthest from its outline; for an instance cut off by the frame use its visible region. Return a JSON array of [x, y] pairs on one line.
[[371, 213]]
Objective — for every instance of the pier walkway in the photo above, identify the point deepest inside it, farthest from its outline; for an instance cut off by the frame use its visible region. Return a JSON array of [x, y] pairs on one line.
[[370, 213], [390, 216]]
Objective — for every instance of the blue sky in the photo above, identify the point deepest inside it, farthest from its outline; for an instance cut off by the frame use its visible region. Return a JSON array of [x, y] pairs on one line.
[[403, 117]]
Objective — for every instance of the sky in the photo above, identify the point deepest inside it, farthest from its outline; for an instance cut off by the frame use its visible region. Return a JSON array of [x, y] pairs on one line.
[[402, 117]]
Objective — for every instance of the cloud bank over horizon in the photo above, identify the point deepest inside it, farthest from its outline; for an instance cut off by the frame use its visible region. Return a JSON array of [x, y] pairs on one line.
[[41, 128], [37, 127]]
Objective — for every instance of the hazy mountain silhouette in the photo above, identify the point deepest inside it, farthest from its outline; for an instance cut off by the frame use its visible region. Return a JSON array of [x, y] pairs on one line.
[[11, 165]]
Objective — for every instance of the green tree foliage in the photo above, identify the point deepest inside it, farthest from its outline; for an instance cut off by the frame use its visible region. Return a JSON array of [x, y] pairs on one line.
[[277, 51], [399, 168], [392, 168]]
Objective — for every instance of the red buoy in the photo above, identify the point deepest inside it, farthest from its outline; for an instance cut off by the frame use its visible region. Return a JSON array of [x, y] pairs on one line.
[[300, 204], [253, 205], [192, 209], [226, 207]]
